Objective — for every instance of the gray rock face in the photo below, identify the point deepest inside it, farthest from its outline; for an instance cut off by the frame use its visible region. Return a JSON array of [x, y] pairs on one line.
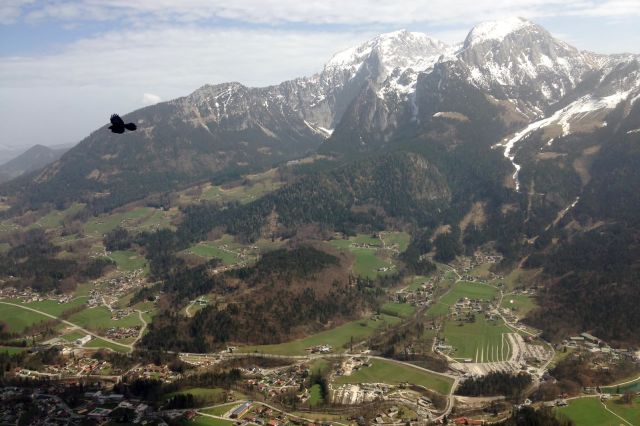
[[517, 60]]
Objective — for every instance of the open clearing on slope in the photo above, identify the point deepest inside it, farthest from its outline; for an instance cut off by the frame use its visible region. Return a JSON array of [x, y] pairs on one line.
[[337, 337], [128, 260], [521, 304], [367, 251], [394, 373], [402, 310], [397, 240], [481, 341], [211, 249]]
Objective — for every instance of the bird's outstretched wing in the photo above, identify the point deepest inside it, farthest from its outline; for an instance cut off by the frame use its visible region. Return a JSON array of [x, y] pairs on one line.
[[116, 120]]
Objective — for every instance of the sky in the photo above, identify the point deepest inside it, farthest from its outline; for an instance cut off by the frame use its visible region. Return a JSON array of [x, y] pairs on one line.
[[67, 65]]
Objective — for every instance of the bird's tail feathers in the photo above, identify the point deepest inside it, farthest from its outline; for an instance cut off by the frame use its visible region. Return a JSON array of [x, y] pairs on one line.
[[130, 126]]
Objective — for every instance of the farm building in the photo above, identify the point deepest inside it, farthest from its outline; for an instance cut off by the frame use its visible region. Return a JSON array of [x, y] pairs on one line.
[[83, 340], [241, 410]]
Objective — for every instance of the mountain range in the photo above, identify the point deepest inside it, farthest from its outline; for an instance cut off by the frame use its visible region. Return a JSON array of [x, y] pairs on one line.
[[33, 159], [535, 139]]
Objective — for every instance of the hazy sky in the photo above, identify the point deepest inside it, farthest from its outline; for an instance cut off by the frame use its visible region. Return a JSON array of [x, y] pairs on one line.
[[66, 65]]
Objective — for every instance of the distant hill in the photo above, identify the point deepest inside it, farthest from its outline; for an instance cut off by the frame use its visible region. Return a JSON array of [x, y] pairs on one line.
[[31, 160]]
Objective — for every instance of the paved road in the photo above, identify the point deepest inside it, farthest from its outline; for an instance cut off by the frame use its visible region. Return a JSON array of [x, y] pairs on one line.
[[76, 326]]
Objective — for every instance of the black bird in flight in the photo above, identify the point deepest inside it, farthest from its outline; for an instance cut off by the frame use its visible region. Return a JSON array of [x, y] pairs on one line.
[[118, 126]]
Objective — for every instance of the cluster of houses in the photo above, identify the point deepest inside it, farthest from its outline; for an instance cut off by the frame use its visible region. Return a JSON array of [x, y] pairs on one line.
[[272, 382], [466, 308], [260, 415], [117, 333], [27, 295], [593, 344], [467, 264], [421, 296], [69, 367], [152, 371], [320, 349], [109, 290]]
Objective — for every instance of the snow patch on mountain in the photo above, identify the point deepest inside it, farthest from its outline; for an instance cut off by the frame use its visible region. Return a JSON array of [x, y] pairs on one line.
[[495, 30], [401, 55], [563, 117]]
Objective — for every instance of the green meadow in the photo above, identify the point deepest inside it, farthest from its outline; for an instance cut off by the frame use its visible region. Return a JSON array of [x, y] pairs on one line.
[[395, 373]]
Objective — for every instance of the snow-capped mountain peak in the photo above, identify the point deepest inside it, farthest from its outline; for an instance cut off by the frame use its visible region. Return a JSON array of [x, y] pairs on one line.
[[397, 49], [495, 30]]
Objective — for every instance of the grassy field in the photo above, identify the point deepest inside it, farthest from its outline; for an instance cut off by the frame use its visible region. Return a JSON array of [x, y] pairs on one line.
[[629, 412], [100, 343], [10, 350], [521, 304], [18, 319], [369, 265], [481, 341], [394, 373], [101, 225], [207, 421], [211, 249], [99, 318], [55, 218], [471, 290], [159, 219], [367, 260], [336, 337], [203, 396], [588, 412], [415, 282], [255, 186], [128, 260], [402, 310], [315, 396], [319, 365], [438, 309], [461, 289], [53, 307], [221, 409], [399, 240], [73, 336]]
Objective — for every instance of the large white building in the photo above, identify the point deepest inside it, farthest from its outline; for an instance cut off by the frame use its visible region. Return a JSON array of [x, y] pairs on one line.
[[83, 340]]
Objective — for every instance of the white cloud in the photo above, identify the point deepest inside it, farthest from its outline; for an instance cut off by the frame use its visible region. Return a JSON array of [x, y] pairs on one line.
[[11, 10], [90, 79], [356, 12], [150, 99]]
